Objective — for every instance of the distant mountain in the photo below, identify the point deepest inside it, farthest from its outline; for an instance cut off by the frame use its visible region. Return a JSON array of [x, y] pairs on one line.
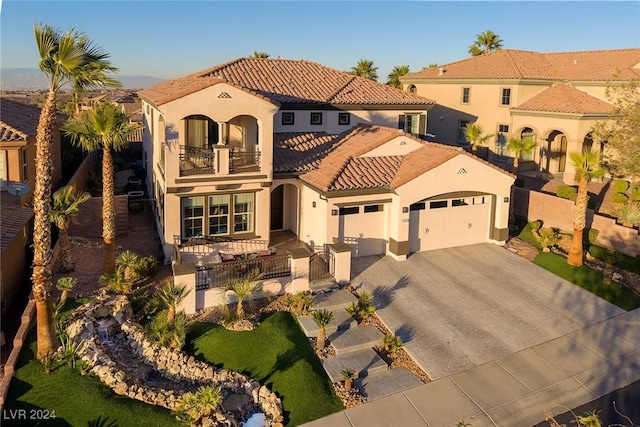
[[33, 79]]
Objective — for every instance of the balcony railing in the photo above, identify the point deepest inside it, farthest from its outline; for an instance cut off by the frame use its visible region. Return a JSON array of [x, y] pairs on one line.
[[244, 161], [261, 268], [196, 160]]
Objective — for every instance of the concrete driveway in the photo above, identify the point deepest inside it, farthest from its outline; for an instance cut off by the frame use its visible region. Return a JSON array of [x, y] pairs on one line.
[[461, 307]]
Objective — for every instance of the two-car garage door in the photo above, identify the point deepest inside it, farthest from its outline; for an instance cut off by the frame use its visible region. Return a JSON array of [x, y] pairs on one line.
[[447, 222]]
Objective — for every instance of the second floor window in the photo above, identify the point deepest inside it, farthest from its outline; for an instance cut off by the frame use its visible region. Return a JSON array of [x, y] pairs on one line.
[[462, 134], [288, 119], [201, 131], [316, 118], [24, 158], [344, 118], [505, 98], [466, 93]]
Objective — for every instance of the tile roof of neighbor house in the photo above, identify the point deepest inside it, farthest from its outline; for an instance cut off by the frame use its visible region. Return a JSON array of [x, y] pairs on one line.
[[566, 99], [286, 81], [14, 217], [19, 121], [344, 169], [596, 65], [301, 152]]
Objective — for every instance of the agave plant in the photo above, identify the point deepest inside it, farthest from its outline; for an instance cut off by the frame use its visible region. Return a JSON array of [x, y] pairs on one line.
[[629, 214], [65, 285], [322, 318]]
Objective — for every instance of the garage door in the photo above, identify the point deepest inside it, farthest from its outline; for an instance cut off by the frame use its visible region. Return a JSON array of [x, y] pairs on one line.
[[436, 224], [364, 227]]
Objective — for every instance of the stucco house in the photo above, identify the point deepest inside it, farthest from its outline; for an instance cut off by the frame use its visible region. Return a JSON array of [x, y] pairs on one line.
[[254, 146], [18, 125], [554, 98]]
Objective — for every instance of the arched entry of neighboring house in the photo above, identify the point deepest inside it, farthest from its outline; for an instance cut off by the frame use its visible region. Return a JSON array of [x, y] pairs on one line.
[[554, 152], [285, 207], [448, 220], [587, 143], [526, 160]]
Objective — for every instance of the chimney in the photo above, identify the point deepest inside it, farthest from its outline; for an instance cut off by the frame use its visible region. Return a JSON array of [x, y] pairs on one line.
[[440, 71]]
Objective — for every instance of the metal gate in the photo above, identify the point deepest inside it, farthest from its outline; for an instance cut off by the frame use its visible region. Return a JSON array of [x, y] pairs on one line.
[[321, 265], [141, 214]]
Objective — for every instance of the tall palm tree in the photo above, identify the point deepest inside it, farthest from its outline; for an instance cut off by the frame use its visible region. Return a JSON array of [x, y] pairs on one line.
[[66, 205], [171, 295], [260, 55], [364, 68], [587, 167], [61, 55], [395, 74], [520, 147], [322, 318], [485, 42], [473, 135], [104, 126]]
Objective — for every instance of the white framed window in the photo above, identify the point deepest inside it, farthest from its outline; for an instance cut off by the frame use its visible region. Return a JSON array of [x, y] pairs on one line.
[[192, 216], [501, 141], [243, 209], [316, 118], [219, 214], [466, 94], [505, 96], [344, 119], [412, 123], [24, 159], [3, 168], [462, 131]]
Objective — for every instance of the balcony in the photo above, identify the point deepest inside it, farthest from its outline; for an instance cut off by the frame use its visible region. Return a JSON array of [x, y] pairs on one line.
[[198, 161]]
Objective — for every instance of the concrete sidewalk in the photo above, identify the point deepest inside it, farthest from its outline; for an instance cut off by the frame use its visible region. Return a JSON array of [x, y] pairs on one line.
[[518, 389]]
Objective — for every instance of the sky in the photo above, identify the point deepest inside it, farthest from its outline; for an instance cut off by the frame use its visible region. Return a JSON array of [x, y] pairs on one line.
[[168, 39]]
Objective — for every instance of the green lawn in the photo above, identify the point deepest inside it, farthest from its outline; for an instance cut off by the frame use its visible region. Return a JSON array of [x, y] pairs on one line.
[[588, 279], [626, 263], [75, 399], [276, 353]]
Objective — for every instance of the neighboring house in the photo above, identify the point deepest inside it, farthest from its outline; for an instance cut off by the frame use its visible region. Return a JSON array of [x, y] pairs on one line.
[[554, 98], [258, 145], [18, 124]]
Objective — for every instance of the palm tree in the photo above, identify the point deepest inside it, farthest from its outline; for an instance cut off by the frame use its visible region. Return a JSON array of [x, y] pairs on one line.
[[395, 74], [64, 285], [473, 135], [260, 55], [364, 68], [107, 127], [126, 262], [66, 204], [587, 167], [348, 374], [520, 147], [485, 42], [322, 318], [171, 296], [61, 55], [242, 288]]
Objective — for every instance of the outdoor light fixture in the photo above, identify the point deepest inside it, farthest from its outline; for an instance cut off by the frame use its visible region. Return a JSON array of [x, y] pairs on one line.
[[313, 204], [506, 200], [334, 212], [405, 209]]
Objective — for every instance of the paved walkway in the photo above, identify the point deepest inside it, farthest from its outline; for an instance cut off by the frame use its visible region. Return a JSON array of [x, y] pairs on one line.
[[518, 389], [462, 307]]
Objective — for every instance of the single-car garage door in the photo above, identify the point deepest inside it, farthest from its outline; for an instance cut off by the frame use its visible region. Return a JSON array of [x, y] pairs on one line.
[[444, 223]]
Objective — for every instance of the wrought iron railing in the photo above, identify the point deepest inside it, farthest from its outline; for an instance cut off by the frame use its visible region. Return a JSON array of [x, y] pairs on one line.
[[244, 161], [219, 274], [196, 160]]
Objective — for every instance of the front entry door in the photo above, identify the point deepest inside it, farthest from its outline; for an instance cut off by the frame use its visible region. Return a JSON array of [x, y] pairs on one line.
[[277, 209]]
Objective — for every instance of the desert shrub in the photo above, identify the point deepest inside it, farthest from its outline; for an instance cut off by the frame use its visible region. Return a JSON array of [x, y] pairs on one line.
[[619, 198], [547, 237], [535, 225], [145, 267], [391, 343], [116, 283], [620, 185], [635, 192], [168, 333], [629, 214], [193, 407], [567, 192], [363, 308]]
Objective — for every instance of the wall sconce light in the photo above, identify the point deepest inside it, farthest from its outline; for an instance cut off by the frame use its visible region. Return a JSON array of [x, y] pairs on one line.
[[334, 212], [405, 209], [506, 200], [313, 204]]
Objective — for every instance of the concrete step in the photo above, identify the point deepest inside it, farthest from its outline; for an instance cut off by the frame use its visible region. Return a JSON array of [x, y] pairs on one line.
[[323, 285], [341, 321], [364, 362], [385, 383], [333, 300], [356, 338]]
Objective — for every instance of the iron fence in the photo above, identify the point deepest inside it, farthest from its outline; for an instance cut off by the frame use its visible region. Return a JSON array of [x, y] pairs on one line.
[[260, 268], [196, 160]]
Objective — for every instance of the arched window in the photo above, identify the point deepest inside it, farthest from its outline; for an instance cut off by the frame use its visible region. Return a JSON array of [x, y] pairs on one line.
[[412, 89]]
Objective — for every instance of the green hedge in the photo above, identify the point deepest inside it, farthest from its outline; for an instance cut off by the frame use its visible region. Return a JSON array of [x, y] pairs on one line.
[[619, 198], [620, 185], [567, 192]]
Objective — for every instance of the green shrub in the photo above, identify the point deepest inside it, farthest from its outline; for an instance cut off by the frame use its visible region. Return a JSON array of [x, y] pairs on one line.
[[620, 185], [567, 192], [145, 267], [635, 192], [592, 235], [547, 237], [619, 198], [535, 225], [363, 308], [629, 214], [391, 343]]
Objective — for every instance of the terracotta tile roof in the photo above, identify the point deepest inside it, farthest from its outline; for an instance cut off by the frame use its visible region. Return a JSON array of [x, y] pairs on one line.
[[344, 169], [595, 65], [566, 99], [286, 81], [14, 218], [19, 121], [301, 152], [135, 136], [131, 108]]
